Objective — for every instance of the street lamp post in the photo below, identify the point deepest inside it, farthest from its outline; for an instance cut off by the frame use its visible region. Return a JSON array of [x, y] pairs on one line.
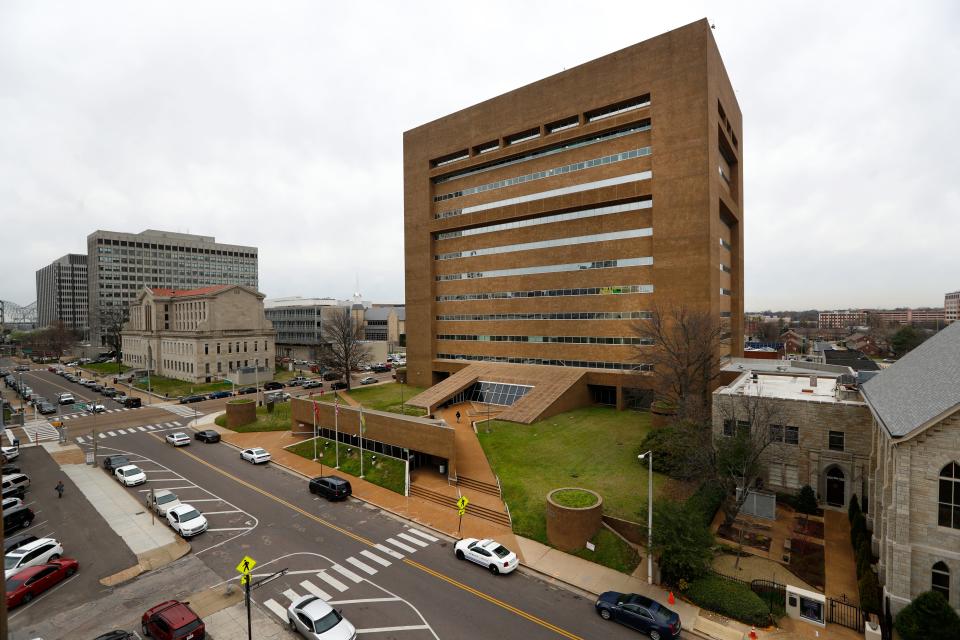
[[649, 457]]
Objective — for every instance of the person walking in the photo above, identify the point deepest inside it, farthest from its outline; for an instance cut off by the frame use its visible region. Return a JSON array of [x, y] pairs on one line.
[[458, 416], [59, 488]]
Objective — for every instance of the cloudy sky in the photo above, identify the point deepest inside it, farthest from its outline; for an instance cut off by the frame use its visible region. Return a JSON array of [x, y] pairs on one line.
[[279, 124]]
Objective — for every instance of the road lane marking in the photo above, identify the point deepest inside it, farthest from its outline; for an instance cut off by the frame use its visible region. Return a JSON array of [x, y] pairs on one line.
[[412, 627], [363, 600], [350, 575], [419, 543], [102, 435], [110, 433], [291, 595], [333, 582], [400, 545], [230, 529], [213, 513], [363, 566], [315, 590], [425, 536], [389, 551], [375, 558], [142, 428], [121, 431], [80, 440], [275, 606]]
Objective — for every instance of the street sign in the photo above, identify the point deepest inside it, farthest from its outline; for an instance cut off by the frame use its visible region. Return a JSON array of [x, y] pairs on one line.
[[462, 505], [246, 565]]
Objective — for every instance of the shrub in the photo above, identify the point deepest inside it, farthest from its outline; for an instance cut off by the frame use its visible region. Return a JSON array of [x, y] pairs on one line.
[[864, 558], [853, 508], [706, 501], [681, 541], [869, 588], [858, 531], [675, 450], [928, 617], [730, 599], [807, 501]]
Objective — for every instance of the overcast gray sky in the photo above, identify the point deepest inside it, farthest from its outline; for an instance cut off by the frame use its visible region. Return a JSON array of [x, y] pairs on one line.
[[279, 124]]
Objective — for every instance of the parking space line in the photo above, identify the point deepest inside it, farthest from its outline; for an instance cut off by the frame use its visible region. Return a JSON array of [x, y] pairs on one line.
[[389, 551], [213, 513], [230, 529], [350, 575], [375, 558], [275, 606], [333, 582], [400, 545], [419, 543], [362, 566], [34, 526], [363, 600], [425, 536], [412, 627], [315, 590]]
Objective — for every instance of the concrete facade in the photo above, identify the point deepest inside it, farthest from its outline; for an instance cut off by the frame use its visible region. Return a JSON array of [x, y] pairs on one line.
[[119, 265], [541, 224], [62, 293], [200, 335], [951, 307]]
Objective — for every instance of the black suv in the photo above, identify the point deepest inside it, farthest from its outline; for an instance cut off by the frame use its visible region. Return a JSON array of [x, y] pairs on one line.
[[132, 403], [190, 399], [272, 385], [330, 487], [338, 385], [112, 463], [15, 542], [17, 517]]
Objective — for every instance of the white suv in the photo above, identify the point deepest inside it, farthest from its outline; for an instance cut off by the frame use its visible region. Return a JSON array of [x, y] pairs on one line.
[[37, 552]]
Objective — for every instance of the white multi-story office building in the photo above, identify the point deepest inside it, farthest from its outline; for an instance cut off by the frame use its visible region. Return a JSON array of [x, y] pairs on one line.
[[62, 293], [951, 307]]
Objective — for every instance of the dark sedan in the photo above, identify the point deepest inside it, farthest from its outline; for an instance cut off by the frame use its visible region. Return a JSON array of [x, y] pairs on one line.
[[207, 435], [189, 399], [216, 395], [640, 613], [246, 390], [112, 463], [28, 583], [46, 408], [272, 385]]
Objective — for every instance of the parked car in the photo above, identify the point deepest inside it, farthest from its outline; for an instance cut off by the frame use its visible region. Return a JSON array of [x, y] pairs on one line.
[[277, 396], [112, 463], [640, 613], [16, 517], [11, 453], [246, 390], [130, 475], [255, 455], [380, 368], [10, 503], [96, 407], [10, 468], [26, 584], [29, 555], [330, 375], [296, 382], [15, 542], [132, 403], [216, 395], [487, 553], [22, 367], [110, 392], [178, 439], [272, 385], [172, 620], [207, 435], [330, 487], [338, 385], [189, 399], [66, 398], [16, 481], [161, 501], [369, 380], [97, 387], [186, 520], [46, 408], [313, 384], [116, 634], [315, 619]]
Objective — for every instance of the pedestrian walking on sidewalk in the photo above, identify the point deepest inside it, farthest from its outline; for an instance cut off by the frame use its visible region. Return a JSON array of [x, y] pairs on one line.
[[458, 416], [59, 488]]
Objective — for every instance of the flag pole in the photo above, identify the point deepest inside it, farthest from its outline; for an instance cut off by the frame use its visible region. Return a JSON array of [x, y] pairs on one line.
[[314, 430], [361, 441], [336, 426]]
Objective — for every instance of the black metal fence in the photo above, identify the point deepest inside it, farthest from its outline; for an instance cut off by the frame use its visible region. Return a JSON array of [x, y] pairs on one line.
[[845, 614]]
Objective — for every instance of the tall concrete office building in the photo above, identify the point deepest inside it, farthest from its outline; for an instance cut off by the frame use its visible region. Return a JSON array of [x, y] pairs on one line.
[[62, 293], [121, 264], [542, 223]]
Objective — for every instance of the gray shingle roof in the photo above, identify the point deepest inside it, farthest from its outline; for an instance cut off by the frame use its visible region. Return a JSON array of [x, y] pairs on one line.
[[922, 385]]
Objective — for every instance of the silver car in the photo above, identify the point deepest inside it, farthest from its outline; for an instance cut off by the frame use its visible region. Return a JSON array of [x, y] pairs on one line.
[[314, 619]]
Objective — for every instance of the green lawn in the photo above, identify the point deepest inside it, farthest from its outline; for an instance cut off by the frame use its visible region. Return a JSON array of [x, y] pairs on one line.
[[611, 552], [385, 471], [279, 420], [594, 448], [176, 388], [105, 368], [382, 397]]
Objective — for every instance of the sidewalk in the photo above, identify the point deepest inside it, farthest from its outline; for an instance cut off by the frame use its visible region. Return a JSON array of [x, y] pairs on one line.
[[840, 567], [154, 544]]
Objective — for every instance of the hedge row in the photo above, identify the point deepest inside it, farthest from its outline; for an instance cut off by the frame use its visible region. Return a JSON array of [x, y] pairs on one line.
[[706, 501], [729, 598]]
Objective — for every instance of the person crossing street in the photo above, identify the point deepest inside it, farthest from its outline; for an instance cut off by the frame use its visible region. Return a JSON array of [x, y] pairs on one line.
[[59, 488]]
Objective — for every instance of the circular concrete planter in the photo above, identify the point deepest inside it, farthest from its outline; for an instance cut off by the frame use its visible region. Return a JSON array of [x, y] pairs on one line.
[[569, 528], [241, 412]]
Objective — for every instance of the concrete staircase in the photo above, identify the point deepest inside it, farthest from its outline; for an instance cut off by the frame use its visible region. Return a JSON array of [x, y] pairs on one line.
[[450, 502], [479, 485]]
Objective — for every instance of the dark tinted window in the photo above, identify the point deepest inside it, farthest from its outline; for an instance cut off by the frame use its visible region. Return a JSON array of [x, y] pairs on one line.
[[186, 629]]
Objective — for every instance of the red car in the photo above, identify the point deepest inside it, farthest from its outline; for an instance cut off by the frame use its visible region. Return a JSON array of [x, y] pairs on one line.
[[172, 620], [32, 581]]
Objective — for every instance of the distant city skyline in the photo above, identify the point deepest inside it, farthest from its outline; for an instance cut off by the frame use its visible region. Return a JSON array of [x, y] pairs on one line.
[[283, 130]]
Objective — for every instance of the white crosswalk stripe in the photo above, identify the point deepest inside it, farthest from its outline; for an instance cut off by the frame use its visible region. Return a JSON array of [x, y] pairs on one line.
[[419, 543], [350, 575], [102, 434], [276, 607], [389, 551], [142, 428], [182, 410], [315, 590], [400, 545], [425, 536], [38, 432], [80, 440], [111, 433], [372, 556], [121, 432], [333, 582], [362, 566], [291, 595], [151, 427]]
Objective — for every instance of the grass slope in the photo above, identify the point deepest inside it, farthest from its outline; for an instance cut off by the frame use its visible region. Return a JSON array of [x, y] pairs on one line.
[[384, 471]]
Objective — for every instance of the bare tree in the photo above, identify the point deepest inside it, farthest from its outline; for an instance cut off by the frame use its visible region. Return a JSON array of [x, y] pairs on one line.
[[59, 338], [112, 320], [346, 351], [683, 345]]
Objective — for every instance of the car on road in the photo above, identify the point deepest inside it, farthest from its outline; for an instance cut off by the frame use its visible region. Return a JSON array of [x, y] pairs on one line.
[[178, 439], [15, 542], [313, 384], [172, 620], [29, 555], [368, 380], [26, 584], [16, 517], [246, 390], [272, 385], [639, 612], [22, 367], [131, 403], [277, 396], [161, 501], [46, 408], [487, 553], [95, 407], [330, 375], [130, 475], [97, 387], [338, 385], [112, 463], [110, 392], [296, 382], [216, 395], [207, 435], [255, 455], [330, 487], [186, 520], [314, 619], [66, 398], [189, 399]]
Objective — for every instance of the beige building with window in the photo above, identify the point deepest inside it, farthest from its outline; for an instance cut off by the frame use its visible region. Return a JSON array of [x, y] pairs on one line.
[[200, 335]]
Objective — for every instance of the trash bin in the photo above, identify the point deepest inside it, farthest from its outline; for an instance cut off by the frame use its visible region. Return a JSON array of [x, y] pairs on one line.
[[443, 468]]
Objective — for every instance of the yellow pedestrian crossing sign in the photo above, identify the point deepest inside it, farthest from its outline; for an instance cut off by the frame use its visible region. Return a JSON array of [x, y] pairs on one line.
[[462, 505], [246, 565]]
